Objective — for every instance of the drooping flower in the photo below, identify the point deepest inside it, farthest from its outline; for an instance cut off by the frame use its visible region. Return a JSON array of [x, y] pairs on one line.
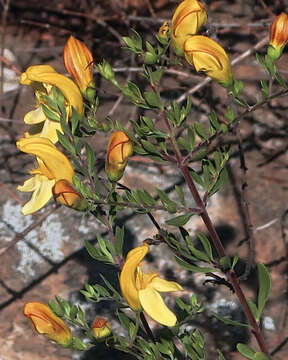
[[208, 56], [141, 290], [188, 18], [278, 36], [78, 61], [47, 323], [120, 148], [53, 166], [65, 194], [43, 78], [101, 328]]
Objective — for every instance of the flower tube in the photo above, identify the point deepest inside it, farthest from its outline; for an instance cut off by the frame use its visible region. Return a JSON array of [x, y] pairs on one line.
[[188, 18], [78, 61], [141, 290], [278, 36], [208, 56], [120, 148], [47, 323]]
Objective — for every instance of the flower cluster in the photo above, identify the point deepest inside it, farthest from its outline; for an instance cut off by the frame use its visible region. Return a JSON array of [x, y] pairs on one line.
[[56, 96], [203, 53]]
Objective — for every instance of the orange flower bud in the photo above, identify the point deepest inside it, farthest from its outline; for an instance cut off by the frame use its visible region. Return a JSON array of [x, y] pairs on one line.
[[188, 18], [47, 323], [65, 194], [100, 328], [119, 150], [78, 61], [208, 56], [278, 36], [163, 31]]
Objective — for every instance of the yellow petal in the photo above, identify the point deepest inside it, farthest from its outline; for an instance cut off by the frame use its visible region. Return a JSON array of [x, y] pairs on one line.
[[35, 116], [49, 130], [155, 307], [208, 56], [46, 74], [47, 323], [128, 276], [188, 18], [163, 285], [42, 193], [54, 160]]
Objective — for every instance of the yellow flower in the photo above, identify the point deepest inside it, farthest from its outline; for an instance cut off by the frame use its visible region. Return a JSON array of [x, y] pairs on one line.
[[100, 328], [78, 61], [47, 323], [52, 167], [43, 78], [141, 290], [120, 148], [65, 194], [278, 36], [188, 18], [208, 56]]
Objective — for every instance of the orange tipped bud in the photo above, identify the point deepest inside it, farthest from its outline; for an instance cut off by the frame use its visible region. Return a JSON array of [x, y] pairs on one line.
[[47, 323], [188, 18], [163, 30], [100, 328], [78, 61], [120, 148], [208, 56], [65, 194], [278, 36]]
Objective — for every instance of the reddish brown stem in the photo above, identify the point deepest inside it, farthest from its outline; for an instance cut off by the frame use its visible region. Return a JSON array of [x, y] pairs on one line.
[[215, 239]]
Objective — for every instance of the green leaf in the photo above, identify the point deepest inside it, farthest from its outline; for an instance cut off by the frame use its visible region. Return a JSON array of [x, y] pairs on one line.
[[150, 147], [197, 253], [264, 288], [180, 220], [50, 114], [77, 344], [104, 248], [221, 181], [119, 239], [260, 356], [220, 355], [246, 351], [191, 138], [200, 131], [229, 114], [56, 308], [90, 158], [228, 321], [152, 99], [197, 178], [206, 244], [214, 120], [264, 88], [180, 194], [66, 143], [252, 307], [194, 268], [124, 319]]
